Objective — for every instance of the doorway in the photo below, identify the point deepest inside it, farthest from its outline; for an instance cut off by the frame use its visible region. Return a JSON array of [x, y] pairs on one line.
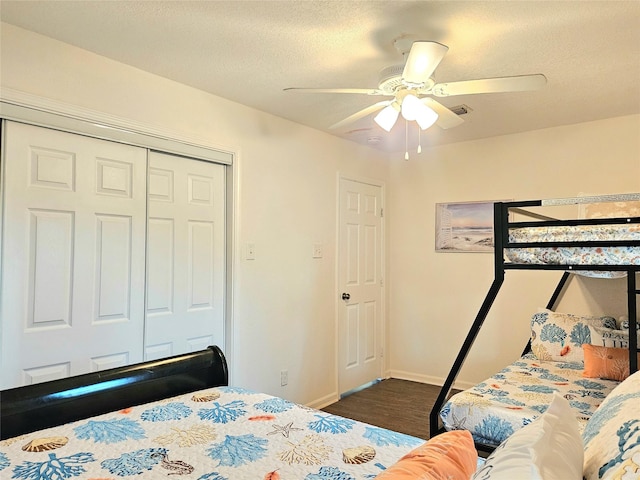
[[360, 280]]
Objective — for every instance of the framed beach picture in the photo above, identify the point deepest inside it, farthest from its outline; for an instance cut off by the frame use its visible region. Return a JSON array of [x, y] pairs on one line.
[[464, 227]]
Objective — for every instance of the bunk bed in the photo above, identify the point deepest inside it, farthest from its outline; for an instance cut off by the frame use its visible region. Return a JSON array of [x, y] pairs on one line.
[[177, 416], [526, 239]]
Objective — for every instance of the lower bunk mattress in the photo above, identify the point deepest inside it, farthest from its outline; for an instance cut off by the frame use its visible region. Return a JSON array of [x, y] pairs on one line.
[[521, 392], [222, 433]]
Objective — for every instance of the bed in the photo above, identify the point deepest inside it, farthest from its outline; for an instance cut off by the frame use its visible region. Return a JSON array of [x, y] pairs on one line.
[[515, 396], [177, 416], [599, 246]]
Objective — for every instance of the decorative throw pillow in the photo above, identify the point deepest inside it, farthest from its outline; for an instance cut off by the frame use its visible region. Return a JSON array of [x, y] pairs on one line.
[[605, 337], [451, 455], [549, 448], [559, 336], [611, 436], [606, 362], [624, 323]]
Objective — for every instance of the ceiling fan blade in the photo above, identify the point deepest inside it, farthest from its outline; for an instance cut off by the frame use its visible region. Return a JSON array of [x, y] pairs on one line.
[[446, 118], [365, 91], [519, 83], [361, 114], [422, 60]]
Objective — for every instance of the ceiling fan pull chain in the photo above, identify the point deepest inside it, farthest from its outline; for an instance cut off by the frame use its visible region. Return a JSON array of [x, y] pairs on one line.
[[406, 139], [419, 140]]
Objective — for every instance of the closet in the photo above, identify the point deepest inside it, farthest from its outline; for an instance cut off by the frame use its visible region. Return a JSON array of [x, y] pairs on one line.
[[112, 254]]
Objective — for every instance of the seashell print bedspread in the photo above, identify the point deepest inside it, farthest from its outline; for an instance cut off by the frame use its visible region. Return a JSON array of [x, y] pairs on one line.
[[568, 255], [519, 393], [223, 433]]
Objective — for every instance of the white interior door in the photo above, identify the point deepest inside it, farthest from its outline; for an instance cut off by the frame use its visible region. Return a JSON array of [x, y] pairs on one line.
[[186, 255], [73, 253], [360, 279]]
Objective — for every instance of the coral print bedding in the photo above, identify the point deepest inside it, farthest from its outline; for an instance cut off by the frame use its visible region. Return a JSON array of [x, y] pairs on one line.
[[612, 436], [222, 433], [518, 394], [557, 364], [568, 255]]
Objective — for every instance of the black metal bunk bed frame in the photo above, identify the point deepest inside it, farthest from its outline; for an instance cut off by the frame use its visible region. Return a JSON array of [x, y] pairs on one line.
[[502, 224]]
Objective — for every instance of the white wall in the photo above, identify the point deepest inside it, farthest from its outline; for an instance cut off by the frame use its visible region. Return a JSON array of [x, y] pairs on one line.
[[284, 300], [434, 297]]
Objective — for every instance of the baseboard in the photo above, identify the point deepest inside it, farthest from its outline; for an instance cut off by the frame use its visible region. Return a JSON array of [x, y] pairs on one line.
[[416, 377], [324, 401], [327, 400]]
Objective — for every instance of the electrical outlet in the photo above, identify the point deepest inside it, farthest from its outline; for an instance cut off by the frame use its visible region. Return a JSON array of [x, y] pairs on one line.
[[284, 378], [250, 253], [317, 250]]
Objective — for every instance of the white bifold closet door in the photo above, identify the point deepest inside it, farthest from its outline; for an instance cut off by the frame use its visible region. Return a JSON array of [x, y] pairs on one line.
[[185, 255], [73, 254], [111, 254]]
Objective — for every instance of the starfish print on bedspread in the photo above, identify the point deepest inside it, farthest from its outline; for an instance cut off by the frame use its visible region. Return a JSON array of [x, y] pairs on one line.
[[285, 430]]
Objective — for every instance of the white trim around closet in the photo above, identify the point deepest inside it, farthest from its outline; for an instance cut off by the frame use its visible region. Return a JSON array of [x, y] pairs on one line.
[[44, 112]]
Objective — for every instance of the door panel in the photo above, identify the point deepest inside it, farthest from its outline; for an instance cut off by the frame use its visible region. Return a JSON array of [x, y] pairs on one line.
[[51, 264], [185, 291], [74, 215], [360, 275], [113, 260]]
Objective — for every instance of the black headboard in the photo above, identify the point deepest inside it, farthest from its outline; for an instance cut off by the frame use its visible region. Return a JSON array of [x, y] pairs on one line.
[[42, 405]]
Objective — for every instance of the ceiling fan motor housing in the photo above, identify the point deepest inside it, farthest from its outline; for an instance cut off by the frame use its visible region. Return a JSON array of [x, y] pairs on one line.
[[390, 81], [390, 78]]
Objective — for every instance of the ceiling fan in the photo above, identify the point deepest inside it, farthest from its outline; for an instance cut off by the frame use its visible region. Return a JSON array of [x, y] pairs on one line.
[[410, 85]]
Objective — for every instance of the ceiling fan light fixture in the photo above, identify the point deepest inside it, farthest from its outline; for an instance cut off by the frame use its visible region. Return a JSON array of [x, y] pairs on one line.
[[410, 107], [387, 117], [414, 109], [426, 117]]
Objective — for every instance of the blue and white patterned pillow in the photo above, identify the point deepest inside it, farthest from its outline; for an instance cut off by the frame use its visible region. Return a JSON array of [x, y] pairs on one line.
[[559, 336]]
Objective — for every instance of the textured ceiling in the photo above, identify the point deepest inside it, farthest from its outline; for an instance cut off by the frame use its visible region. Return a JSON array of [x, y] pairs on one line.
[[249, 51]]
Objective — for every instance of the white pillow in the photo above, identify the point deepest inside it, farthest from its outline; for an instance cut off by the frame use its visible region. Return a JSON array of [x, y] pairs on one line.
[[549, 448]]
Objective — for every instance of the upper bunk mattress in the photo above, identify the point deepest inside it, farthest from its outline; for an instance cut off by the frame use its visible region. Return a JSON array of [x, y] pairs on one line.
[[568, 255], [521, 392]]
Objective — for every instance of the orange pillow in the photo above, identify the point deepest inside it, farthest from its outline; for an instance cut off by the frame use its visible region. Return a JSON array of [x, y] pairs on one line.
[[450, 455], [610, 363]]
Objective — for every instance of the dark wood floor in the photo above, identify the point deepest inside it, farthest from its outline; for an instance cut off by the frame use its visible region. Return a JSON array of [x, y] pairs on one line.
[[398, 405]]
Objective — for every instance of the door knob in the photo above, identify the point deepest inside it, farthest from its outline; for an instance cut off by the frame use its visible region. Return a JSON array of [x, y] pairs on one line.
[[346, 296]]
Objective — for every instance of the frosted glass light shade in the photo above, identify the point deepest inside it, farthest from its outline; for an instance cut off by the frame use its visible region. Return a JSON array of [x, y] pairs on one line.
[[426, 117], [411, 107], [387, 117], [414, 109]]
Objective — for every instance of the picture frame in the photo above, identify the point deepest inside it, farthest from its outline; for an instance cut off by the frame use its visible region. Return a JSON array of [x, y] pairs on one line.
[[465, 227]]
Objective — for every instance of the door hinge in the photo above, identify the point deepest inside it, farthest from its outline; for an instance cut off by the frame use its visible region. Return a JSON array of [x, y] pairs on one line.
[[382, 282], [381, 212]]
